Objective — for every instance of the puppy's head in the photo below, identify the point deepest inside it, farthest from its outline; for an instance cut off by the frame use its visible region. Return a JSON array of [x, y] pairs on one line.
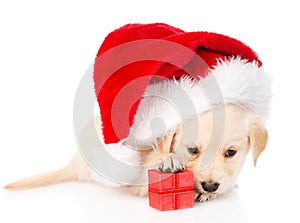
[[228, 133]]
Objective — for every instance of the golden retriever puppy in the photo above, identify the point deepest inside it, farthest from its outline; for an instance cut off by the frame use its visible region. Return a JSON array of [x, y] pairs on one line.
[[231, 134], [220, 138]]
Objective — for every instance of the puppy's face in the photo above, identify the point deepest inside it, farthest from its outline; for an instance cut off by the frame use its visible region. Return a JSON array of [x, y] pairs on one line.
[[221, 138]]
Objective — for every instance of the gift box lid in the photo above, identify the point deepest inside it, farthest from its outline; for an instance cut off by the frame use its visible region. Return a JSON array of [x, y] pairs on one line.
[[160, 182]]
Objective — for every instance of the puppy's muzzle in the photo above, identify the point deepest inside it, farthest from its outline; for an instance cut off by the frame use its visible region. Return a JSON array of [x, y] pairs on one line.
[[210, 186]]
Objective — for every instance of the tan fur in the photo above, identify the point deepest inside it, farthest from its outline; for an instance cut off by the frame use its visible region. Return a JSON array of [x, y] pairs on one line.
[[258, 137], [242, 130]]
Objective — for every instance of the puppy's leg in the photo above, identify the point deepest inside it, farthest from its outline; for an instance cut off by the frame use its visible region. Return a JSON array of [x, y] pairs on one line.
[[76, 170], [141, 191], [201, 197], [171, 164], [165, 162], [162, 159]]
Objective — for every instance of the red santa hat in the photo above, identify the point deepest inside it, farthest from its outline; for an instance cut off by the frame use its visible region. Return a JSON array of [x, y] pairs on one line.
[[149, 78]]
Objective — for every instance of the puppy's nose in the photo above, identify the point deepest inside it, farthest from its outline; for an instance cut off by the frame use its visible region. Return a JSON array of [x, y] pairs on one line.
[[210, 186]]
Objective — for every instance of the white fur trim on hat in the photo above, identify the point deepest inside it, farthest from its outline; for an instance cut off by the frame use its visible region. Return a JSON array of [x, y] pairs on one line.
[[167, 103]]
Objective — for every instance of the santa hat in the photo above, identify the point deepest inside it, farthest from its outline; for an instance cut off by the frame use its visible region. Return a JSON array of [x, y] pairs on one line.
[[149, 78]]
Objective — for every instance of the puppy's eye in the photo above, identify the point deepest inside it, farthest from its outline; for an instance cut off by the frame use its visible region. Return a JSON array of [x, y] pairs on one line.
[[230, 153], [193, 151]]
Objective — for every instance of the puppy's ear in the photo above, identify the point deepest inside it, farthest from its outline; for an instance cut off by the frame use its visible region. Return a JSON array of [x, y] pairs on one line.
[[169, 142], [258, 136]]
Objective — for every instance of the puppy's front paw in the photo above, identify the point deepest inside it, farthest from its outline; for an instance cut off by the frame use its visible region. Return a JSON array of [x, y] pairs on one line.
[[200, 197], [171, 164]]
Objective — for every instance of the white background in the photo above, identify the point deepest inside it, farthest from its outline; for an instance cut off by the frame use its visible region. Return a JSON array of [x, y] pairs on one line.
[[45, 48]]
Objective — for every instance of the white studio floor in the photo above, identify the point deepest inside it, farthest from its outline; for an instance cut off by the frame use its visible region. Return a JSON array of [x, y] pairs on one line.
[[91, 203], [74, 202]]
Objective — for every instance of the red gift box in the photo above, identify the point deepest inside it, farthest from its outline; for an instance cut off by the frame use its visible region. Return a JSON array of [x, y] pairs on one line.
[[170, 191]]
